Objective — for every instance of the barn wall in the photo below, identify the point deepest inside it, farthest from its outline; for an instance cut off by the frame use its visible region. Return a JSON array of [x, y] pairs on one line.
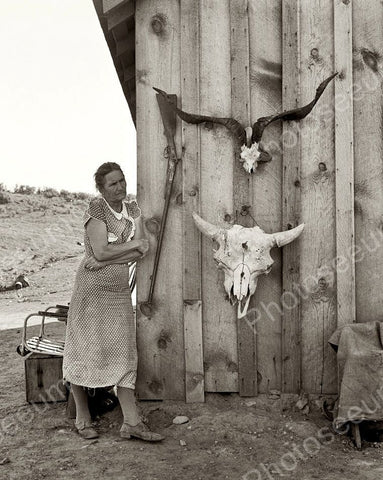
[[250, 58]]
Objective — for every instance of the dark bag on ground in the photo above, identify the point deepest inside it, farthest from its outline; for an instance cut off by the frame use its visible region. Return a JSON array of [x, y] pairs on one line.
[[100, 401]]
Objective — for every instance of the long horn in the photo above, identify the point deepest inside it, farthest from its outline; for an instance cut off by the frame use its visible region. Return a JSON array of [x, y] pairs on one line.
[[295, 114], [233, 125], [208, 229], [283, 238]]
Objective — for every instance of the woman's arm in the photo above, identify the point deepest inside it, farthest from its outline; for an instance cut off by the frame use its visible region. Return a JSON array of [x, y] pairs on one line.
[[98, 237], [93, 264], [139, 232]]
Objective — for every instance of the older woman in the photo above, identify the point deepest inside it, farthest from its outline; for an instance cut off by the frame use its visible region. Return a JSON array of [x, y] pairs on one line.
[[100, 346]]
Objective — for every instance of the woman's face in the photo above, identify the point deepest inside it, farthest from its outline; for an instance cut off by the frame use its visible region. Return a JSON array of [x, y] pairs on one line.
[[114, 189]]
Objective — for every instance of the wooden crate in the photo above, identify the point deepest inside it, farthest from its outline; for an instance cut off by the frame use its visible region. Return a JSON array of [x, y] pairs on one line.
[[43, 379]]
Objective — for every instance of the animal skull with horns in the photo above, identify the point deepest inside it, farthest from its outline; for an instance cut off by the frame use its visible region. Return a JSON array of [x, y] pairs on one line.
[[244, 255], [252, 150]]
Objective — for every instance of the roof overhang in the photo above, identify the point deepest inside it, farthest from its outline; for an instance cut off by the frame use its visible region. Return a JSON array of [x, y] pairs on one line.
[[118, 24]]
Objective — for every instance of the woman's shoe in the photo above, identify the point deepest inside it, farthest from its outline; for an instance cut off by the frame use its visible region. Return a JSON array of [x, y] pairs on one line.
[[141, 431], [86, 431]]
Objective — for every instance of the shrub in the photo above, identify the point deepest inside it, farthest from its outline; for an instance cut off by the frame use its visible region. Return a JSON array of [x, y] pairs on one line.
[[3, 188], [24, 189], [50, 192], [4, 198], [66, 195], [81, 195]]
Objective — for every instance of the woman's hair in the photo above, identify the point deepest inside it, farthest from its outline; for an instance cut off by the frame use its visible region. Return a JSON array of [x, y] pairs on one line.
[[103, 170]]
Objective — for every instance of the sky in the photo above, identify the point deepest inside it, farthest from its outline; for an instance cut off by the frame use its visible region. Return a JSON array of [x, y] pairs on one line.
[[62, 109]]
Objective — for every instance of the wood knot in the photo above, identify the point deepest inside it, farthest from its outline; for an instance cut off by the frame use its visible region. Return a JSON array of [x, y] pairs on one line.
[[155, 386], [163, 340], [179, 199], [322, 167], [346, 2], [232, 367], [297, 183], [245, 210], [370, 59], [314, 53], [227, 217], [152, 225], [158, 24]]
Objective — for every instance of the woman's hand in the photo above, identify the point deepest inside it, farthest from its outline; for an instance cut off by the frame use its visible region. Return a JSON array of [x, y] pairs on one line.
[[143, 246], [93, 264], [140, 244]]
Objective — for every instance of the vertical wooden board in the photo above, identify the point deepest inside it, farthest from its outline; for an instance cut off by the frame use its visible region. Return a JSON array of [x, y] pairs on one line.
[[194, 374], [190, 17], [291, 320], [344, 161], [217, 156], [265, 18], [242, 181], [160, 338], [368, 112], [318, 274]]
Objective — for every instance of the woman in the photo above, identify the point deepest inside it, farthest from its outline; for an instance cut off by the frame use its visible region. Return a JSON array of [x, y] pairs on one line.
[[100, 346]]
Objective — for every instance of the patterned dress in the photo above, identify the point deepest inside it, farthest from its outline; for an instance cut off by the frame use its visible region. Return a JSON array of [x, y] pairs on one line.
[[100, 345]]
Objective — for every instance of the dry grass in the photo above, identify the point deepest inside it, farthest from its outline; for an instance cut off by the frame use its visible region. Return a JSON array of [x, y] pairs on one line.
[[36, 230]]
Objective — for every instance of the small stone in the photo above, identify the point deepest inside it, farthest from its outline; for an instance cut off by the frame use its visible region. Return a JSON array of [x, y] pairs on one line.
[[182, 443], [4, 461], [251, 403], [180, 419], [89, 444]]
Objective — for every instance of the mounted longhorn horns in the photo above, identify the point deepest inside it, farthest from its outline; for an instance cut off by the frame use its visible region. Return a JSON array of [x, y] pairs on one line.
[[250, 137]]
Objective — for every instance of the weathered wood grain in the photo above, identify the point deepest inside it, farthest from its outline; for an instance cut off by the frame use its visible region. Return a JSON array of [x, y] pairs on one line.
[[190, 18], [368, 114], [194, 372], [217, 156], [318, 273], [291, 320], [265, 19], [242, 181], [161, 372], [344, 162]]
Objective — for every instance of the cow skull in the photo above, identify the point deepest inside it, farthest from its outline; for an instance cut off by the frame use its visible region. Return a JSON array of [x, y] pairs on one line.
[[244, 255]]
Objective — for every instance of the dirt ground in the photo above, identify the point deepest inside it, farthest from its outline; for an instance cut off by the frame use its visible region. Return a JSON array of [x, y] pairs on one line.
[[227, 437]]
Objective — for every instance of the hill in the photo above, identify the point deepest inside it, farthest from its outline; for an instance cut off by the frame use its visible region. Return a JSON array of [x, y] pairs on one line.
[[39, 237]]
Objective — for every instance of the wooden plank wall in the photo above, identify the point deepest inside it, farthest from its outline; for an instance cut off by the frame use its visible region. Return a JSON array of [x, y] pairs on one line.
[[317, 198], [368, 111], [250, 58], [160, 337], [191, 154], [291, 196], [217, 152], [265, 81]]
